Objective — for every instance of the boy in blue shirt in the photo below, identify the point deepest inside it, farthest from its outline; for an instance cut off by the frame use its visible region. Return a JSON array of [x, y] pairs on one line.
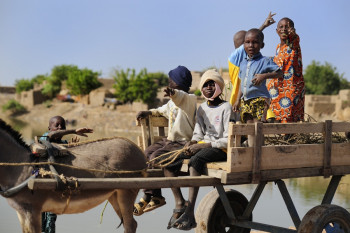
[[57, 129], [254, 98]]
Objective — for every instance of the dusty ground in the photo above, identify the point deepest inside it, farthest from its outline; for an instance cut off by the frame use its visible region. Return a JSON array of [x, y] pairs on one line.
[[98, 118]]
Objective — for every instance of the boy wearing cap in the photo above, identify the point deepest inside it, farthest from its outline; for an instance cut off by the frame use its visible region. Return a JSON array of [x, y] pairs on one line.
[[180, 110]]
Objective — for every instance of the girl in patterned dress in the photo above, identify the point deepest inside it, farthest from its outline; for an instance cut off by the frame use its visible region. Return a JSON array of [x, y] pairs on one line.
[[288, 93]]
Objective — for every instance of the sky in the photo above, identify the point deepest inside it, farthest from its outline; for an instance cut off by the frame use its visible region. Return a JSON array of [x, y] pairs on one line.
[[159, 35]]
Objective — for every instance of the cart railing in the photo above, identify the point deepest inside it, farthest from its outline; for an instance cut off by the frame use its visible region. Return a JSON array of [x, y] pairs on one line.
[[269, 162]]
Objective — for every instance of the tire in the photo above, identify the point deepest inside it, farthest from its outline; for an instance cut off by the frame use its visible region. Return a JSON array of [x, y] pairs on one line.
[[211, 216], [330, 218]]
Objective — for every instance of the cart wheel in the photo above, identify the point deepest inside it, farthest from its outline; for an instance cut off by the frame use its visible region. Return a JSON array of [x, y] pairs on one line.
[[211, 216], [326, 218]]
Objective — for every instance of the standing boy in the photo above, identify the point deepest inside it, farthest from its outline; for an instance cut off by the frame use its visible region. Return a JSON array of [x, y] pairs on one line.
[[57, 129], [254, 98], [180, 110]]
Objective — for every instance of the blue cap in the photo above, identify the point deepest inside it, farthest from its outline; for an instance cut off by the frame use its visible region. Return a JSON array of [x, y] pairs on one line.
[[182, 77]]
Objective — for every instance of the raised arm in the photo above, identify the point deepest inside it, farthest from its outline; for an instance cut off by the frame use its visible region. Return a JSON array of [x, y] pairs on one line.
[[58, 134], [268, 21]]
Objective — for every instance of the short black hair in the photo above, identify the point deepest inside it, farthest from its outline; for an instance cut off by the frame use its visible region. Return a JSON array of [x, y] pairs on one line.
[[258, 32], [291, 23]]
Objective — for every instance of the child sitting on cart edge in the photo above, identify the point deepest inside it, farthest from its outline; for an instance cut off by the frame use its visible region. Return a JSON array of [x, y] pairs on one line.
[[253, 97], [57, 129], [180, 111], [208, 144]]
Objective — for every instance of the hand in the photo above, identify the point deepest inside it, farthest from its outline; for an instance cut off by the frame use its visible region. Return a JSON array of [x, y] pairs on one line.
[[75, 139], [83, 131], [236, 106], [269, 20], [169, 92], [193, 149], [291, 30], [258, 79], [143, 114]]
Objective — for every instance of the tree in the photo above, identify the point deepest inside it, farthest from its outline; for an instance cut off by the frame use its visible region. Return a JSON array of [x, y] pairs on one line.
[[323, 79], [143, 86], [54, 82], [81, 82], [23, 85]]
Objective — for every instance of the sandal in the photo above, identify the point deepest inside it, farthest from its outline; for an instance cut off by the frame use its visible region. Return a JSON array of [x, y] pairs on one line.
[[155, 203], [185, 223], [139, 207], [173, 219]]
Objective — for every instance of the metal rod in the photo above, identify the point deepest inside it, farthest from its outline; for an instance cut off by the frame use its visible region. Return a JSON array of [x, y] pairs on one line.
[[225, 202], [289, 203], [254, 199], [332, 187], [262, 227]]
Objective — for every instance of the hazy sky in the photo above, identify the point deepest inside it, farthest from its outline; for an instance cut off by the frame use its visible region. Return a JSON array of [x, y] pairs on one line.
[[36, 35]]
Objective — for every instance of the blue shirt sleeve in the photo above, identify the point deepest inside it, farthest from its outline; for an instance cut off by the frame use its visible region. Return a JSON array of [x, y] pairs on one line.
[[270, 65], [237, 56]]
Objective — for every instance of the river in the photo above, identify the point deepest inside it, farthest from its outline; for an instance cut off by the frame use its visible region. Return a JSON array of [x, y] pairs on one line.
[[305, 192]]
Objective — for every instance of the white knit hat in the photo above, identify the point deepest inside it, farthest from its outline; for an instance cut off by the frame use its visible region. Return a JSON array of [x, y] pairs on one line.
[[212, 75]]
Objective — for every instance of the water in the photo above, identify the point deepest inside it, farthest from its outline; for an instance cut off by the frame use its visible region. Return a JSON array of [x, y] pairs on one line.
[[305, 192]]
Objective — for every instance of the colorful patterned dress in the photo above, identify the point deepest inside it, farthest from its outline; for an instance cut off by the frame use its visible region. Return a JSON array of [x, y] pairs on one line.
[[288, 93]]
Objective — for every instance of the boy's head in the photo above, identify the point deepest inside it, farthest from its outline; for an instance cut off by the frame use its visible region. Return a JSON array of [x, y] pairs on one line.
[[57, 123], [180, 78], [253, 42], [209, 76], [238, 38]]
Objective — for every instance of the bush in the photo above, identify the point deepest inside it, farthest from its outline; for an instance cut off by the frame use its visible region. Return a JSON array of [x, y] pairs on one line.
[[323, 79], [197, 92], [143, 86], [14, 107], [81, 82]]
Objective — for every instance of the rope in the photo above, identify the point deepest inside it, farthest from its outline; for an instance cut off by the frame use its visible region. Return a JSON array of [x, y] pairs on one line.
[[143, 171], [163, 163], [103, 211]]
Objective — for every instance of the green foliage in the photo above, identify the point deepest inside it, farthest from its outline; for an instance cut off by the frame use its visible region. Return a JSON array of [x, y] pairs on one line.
[[81, 82], [323, 79], [39, 79], [61, 73], [197, 92], [161, 78], [23, 85], [143, 86], [54, 82], [14, 107]]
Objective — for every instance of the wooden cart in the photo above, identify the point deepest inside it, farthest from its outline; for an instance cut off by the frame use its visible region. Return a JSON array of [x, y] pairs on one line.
[[224, 210]]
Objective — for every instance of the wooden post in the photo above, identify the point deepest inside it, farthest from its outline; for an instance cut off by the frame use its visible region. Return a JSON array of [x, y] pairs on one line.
[[327, 170], [237, 138], [150, 130], [258, 142], [144, 133]]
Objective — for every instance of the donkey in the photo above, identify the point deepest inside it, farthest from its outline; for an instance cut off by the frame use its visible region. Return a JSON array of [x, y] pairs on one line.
[[114, 154]]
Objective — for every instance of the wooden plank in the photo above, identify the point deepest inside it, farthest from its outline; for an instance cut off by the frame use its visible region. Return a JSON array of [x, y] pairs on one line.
[[127, 183], [327, 148], [231, 143], [272, 175], [159, 121], [140, 142], [144, 133], [258, 142], [150, 130], [289, 156], [278, 128], [341, 126]]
